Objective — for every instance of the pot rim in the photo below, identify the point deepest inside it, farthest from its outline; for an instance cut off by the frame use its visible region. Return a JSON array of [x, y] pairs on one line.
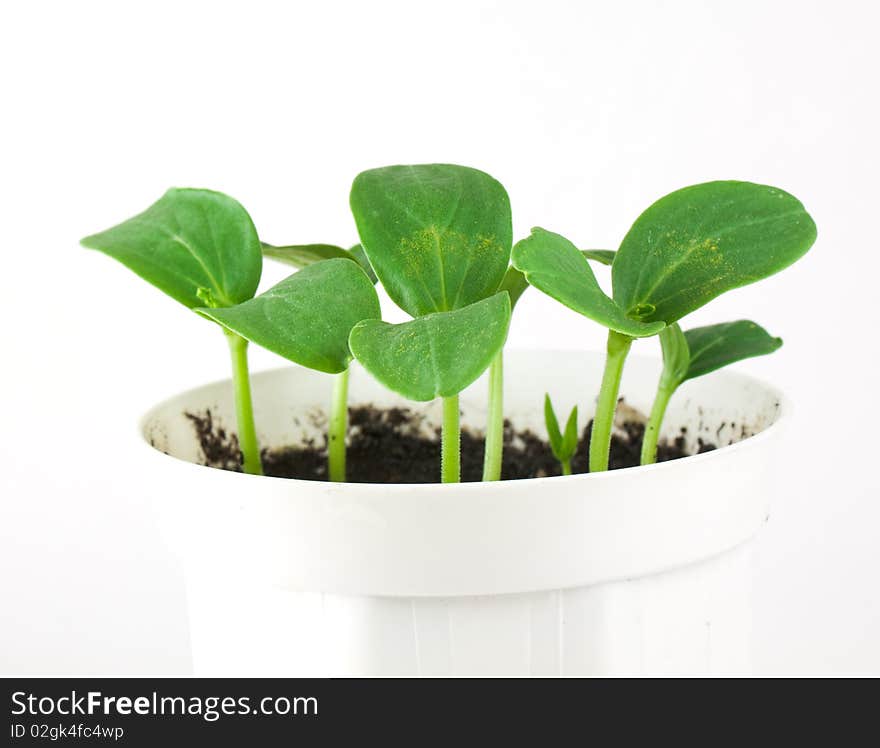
[[784, 413]]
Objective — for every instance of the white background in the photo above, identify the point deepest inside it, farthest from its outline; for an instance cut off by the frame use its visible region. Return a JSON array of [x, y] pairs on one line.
[[586, 111]]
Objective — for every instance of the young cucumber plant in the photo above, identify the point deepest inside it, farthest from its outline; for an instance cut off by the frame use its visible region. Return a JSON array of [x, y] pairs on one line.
[[307, 319], [553, 264], [514, 283], [682, 252], [438, 237], [563, 445], [687, 355], [691, 354], [201, 248]]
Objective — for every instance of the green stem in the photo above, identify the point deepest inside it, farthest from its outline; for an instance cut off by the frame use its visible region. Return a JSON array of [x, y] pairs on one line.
[[244, 408], [652, 427], [495, 420], [338, 427], [566, 467], [600, 440], [450, 447]]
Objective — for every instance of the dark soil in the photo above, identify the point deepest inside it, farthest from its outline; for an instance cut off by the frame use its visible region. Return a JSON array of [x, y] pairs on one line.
[[390, 446]]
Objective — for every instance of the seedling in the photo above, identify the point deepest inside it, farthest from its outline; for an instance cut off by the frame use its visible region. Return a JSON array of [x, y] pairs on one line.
[[438, 237], [554, 265], [201, 248], [691, 354], [682, 252], [563, 445], [307, 319], [514, 283]]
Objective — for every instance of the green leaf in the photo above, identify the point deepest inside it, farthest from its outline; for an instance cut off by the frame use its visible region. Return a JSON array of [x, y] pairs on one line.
[[602, 256], [553, 432], [552, 264], [360, 256], [515, 284], [191, 244], [570, 440], [307, 317], [701, 241], [676, 355], [436, 355], [301, 255], [562, 446], [437, 235], [715, 346]]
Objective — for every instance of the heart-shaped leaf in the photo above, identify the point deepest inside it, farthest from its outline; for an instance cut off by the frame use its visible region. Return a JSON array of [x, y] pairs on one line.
[[436, 355], [715, 346], [194, 245], [300, 255], [515, 282], [552, 264], [701, 241], [307, 317], [437, 235]]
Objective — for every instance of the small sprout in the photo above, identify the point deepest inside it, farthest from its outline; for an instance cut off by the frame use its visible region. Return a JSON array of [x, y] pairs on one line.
[[307, 319], [691, 354], [563, 445], [682, 252], [201, 248], [301, 255], [438, 237]]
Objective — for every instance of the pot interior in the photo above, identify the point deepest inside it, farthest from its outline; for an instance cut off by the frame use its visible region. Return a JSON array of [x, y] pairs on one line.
[[290, 403]]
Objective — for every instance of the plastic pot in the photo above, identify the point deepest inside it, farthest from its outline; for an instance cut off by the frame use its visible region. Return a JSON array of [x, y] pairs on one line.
[[642, 570]]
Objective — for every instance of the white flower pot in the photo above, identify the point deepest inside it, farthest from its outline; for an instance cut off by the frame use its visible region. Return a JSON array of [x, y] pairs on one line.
[[642, 570]]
